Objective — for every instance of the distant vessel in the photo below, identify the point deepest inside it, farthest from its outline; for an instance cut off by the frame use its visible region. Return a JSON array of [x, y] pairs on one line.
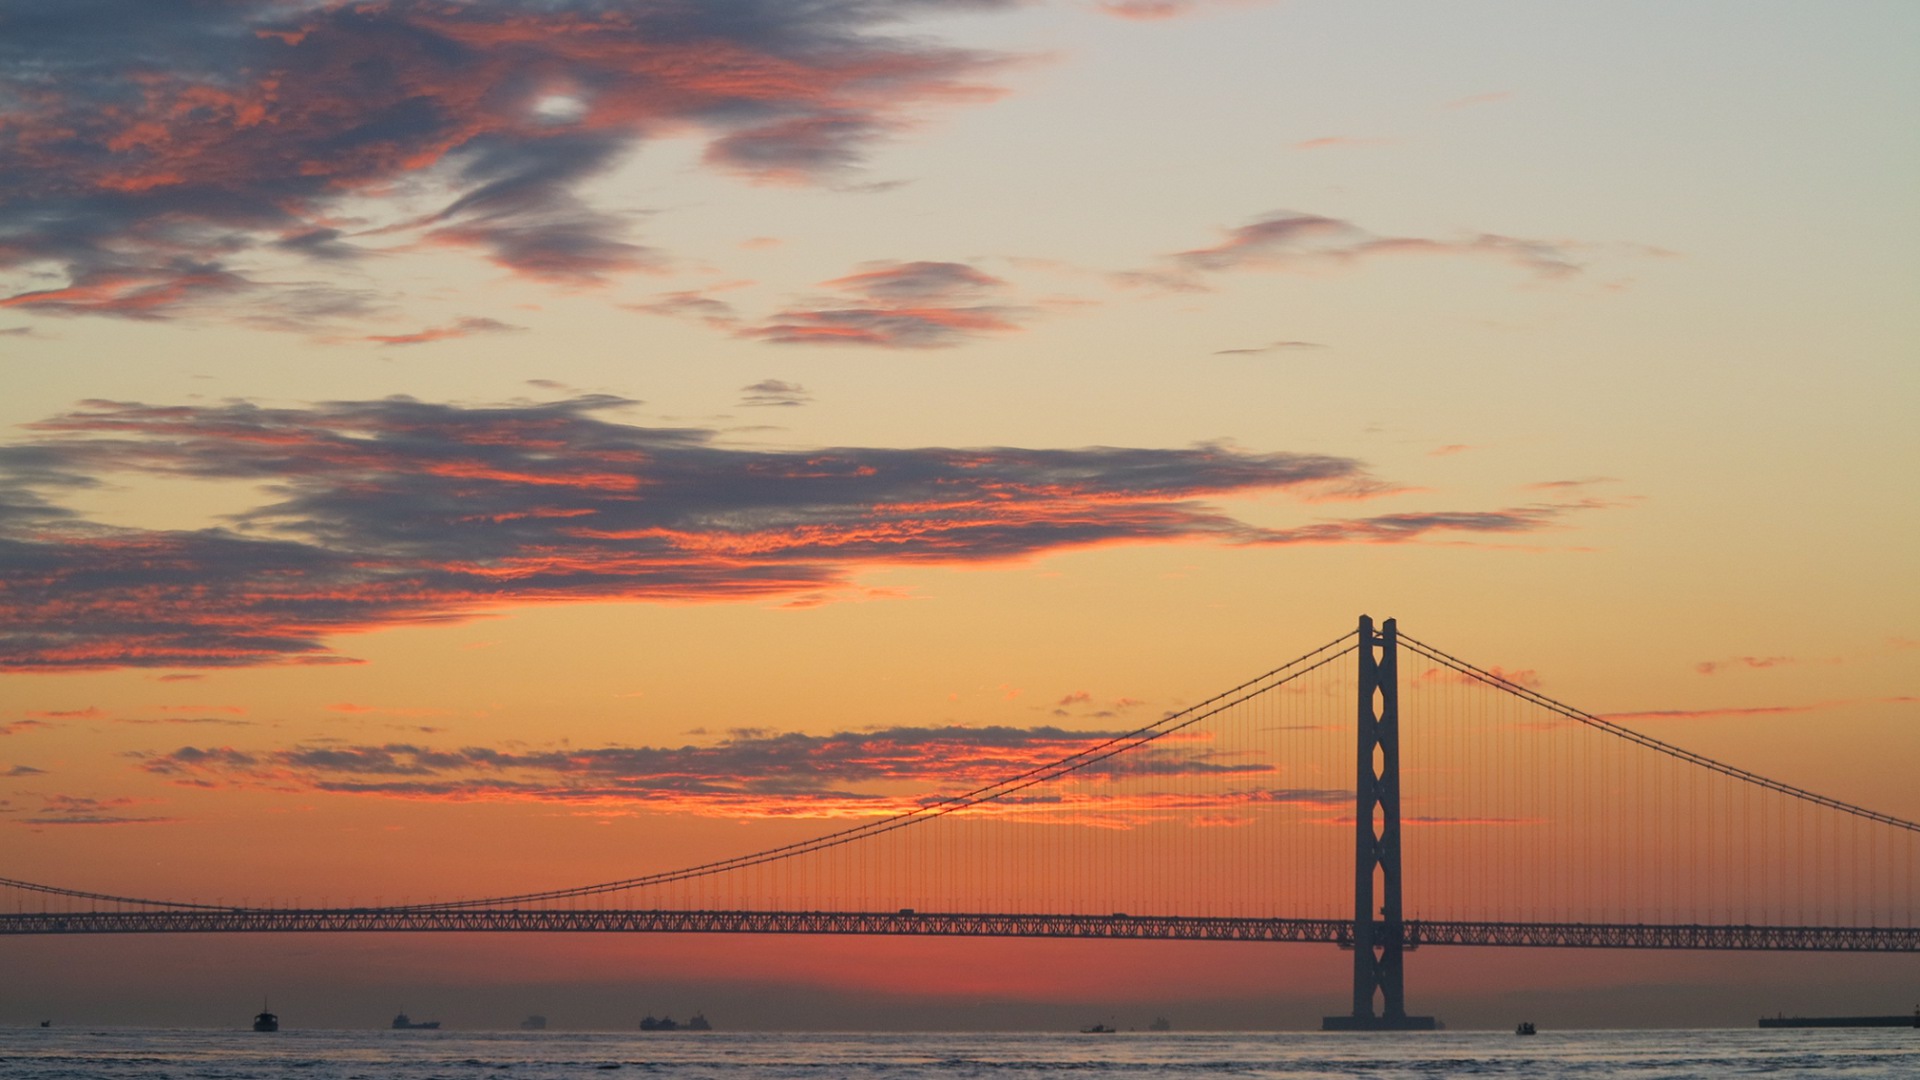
[[402, 1023], [266, 1021], [1783, 1021], [536, 1022], [1525, 1028], [665, 1023], [1097, 1029], [46, 1023], [1160, 1023], [698, 1022]]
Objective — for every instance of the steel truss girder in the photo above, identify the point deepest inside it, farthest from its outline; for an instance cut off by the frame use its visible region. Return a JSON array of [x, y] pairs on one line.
[[616, 920], [1418, 932]]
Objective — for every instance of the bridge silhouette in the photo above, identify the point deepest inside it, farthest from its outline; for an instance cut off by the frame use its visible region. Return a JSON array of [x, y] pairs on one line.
[[1276, 811]]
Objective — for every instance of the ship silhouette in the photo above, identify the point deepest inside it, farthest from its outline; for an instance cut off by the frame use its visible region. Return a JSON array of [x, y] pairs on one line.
[[698, 1022]]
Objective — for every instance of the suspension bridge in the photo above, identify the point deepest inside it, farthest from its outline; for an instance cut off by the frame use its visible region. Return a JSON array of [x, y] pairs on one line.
[[1276, 811]]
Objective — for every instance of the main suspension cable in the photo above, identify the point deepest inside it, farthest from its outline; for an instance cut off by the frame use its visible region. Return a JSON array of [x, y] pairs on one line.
[[1648, 741], [932, 810]]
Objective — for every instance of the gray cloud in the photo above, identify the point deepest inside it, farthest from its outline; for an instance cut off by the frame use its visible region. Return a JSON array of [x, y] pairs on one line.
[[775, 393], [1286, 239], [778, 773], [1270, 347], [155, 153], [408, 512], [912, 305]]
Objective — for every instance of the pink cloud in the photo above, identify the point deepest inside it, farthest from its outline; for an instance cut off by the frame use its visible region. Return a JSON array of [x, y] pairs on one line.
[[1709, 667], [462, 328]]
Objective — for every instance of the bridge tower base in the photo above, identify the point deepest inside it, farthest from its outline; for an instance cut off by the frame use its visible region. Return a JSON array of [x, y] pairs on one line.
[[1378, 938]]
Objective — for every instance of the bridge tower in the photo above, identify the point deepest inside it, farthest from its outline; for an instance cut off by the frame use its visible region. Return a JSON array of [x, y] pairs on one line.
[[1378, 933]]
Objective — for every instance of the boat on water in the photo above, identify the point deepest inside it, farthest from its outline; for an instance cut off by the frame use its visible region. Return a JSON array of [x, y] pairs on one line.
[[665, 1023], [266, 1021], [698, 1022], [1097, 1029], [1160, 1023], [1898, 1020], [1526, 1028], [405, 1023], [536, 1022]]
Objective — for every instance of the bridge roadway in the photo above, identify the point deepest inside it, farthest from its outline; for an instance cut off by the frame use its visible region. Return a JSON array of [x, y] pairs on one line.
[[1419, 932]]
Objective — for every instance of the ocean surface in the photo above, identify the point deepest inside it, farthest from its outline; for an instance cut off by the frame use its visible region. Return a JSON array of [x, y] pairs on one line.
[[148, 1054]]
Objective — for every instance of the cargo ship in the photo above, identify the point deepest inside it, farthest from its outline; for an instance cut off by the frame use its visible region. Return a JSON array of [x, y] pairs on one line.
[[1784, 1021], [404, 1023]]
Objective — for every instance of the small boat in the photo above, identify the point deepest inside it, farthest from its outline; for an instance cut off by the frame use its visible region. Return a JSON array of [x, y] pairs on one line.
[[1097, 1029], [698, 1022], [1525, 1028], [1160, 1023], [46, 1023], [536, 1022], [403, 1023], [665, 1023], [266, 1021]]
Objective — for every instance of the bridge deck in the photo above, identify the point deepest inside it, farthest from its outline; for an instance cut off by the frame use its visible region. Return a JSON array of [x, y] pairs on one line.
[[1420, 932]]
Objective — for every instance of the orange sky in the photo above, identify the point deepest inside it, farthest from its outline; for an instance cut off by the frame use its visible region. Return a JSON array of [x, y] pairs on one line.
[[463, 451]]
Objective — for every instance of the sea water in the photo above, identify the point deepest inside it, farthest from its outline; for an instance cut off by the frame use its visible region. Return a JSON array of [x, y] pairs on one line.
[[148, 1054]]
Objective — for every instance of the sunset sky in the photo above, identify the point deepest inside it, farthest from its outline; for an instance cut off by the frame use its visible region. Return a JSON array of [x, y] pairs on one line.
[[454, 448]]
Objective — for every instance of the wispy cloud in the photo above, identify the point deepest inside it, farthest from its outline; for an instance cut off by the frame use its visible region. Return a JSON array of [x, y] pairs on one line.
[[693, 304], [1288, 240], [912, 305], [1157, 10], [1725, 712], [1571, 485], [748, 773], [1710, 667], [460, 328], [1526, 677], [774, 393], [1271, 347], [83, 810], [1420, 525]]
